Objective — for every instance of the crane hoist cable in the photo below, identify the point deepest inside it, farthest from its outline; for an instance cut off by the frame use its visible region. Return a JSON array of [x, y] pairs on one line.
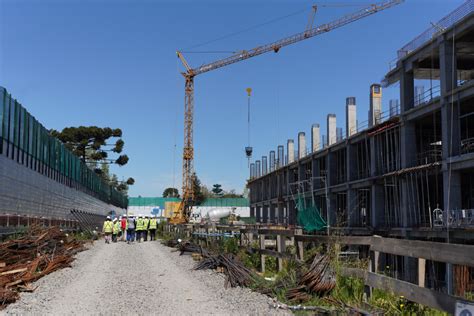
[[248, 149]]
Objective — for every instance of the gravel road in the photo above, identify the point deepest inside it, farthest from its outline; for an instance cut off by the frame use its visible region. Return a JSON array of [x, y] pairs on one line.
[[144, 279]]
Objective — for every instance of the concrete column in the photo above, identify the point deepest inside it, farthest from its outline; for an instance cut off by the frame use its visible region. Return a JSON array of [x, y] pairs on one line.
[[291, 213], [290, 148], [252, 211], [352, 210], [315, 138], [351, 116], [272, 214], [447, 67], [301, 145], [378, 206], [375, 105], [331, 127], [351, 161], [252, 170], [451, 138], [450, 130], [281, 154], [257, 214], [264, 165], [338, 134], [316, 173], [258, 169], [272, 160], [407, 82], [280, 213], [265, 214]]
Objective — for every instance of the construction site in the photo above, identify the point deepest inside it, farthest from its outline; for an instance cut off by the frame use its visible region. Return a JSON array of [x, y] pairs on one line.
[[371, 216], [407, 172]]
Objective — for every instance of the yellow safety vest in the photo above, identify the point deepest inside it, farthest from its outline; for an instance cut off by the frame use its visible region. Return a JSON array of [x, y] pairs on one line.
[[153, 223], [108, 227], [139, 224], [145, 223], [116, 227]]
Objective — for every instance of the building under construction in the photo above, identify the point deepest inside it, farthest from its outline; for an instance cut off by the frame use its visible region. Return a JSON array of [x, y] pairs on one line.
[[408, 171]]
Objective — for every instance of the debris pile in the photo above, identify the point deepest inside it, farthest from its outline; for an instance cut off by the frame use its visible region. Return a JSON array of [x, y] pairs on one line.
[[30, 257], [237, 274], [320, 279]]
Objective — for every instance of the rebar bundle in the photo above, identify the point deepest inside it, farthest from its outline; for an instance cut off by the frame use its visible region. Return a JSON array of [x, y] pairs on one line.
[[28, 258], [319, 279], [237, 274]]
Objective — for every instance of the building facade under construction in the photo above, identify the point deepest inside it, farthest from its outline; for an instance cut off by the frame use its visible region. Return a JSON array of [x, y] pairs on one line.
[[408, 171]]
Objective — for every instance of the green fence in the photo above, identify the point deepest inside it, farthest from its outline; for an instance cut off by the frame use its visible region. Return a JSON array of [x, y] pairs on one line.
[[25, 140]]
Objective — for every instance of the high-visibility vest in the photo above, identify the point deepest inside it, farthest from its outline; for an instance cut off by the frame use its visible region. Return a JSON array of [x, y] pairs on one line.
[[146, 221], [153, 223], [108, 227], [117, 227], [139, 224]]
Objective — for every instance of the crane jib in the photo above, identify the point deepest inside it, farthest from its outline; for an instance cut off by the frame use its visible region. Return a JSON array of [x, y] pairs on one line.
[[275, 46]]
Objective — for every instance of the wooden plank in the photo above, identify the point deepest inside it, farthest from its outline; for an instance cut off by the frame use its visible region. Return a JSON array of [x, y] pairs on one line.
[[410, 291], [13, 283], [346, 240], [299, 244], [436, 251], [421, 272], [13, 271], [276, 232], [281, 247], [262, 256], [272, 253]]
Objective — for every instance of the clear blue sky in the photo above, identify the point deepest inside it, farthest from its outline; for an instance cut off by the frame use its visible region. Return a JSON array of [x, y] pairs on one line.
[[113, 63]]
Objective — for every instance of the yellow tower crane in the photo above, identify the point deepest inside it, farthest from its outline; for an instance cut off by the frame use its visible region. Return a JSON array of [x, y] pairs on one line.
[[182, 214]]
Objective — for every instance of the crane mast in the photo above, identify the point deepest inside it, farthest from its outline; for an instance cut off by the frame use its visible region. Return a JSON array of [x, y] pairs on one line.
[[188, 149]]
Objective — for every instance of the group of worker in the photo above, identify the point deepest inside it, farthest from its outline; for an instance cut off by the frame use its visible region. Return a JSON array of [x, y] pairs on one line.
[[130, 228]]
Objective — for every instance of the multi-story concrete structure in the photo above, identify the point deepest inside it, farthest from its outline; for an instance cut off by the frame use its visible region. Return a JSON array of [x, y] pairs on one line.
[[410, 173]]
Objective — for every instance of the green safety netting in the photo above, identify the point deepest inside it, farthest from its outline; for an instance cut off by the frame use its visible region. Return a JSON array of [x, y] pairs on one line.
[[309, 217]]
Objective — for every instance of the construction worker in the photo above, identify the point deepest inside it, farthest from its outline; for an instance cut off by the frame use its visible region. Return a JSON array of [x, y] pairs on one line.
[[139, 227], [146, 223], [116, 229], [107, 229], [123, 226], [152, 227], [130, 229]]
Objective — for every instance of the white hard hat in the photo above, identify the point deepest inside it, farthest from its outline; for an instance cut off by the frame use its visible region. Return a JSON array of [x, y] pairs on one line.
[[108, 217]]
